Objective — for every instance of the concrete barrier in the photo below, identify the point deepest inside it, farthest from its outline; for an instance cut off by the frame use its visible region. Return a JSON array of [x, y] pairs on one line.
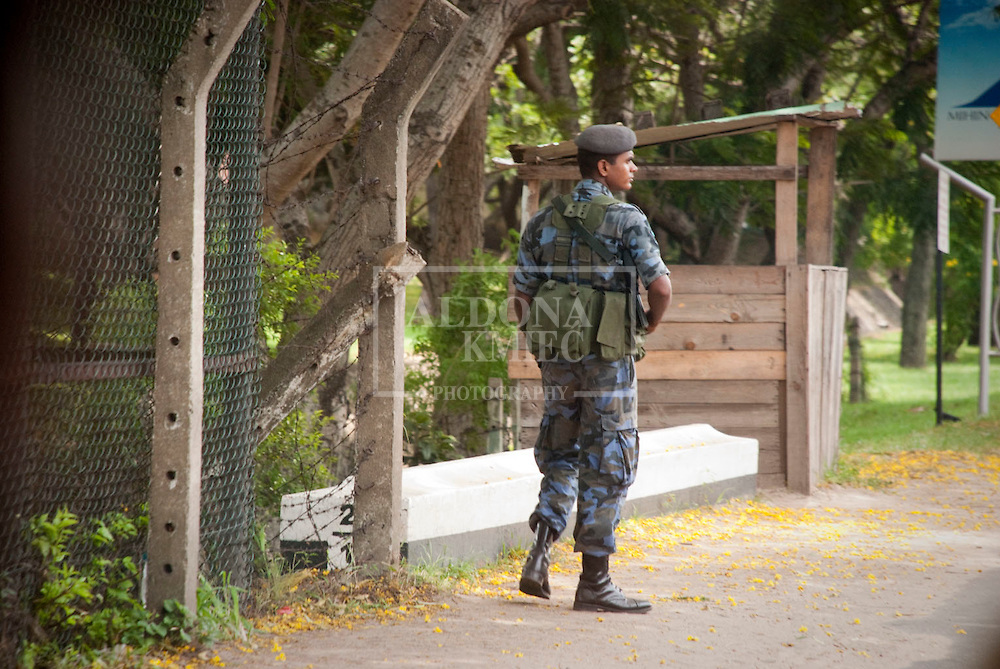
[[473, 509]]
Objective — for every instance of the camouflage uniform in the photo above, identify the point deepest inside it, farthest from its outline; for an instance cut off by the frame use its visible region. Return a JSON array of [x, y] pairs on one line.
[[588, 446]]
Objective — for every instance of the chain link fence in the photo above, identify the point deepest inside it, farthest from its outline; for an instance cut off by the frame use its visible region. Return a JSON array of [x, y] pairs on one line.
[[77, 374]]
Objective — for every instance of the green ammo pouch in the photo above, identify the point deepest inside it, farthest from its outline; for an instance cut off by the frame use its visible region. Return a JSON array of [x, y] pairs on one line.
[[563, 320], [612, 334]]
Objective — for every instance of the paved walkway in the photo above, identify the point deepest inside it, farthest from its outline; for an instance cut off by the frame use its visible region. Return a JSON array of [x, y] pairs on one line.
[[905, 577]]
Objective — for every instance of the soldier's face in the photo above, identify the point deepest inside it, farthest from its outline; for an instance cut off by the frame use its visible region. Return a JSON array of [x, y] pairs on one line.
[[619, 174]]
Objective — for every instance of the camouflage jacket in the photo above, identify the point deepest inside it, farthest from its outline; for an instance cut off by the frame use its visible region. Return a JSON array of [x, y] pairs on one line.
[[624, 226]]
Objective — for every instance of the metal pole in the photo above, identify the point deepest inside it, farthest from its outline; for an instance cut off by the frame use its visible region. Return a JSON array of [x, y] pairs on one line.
[[985, 304], [986, 282], [996, 301], [939, 348]]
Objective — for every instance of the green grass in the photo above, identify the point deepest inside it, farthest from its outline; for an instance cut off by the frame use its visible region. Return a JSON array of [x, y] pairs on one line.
[[900, 413]]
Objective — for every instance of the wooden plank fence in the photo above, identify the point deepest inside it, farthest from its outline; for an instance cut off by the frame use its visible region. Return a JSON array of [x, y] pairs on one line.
[[753, 351]]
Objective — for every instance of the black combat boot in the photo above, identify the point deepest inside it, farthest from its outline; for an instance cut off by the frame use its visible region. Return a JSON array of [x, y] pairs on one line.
[[596, 592], [535, 575]]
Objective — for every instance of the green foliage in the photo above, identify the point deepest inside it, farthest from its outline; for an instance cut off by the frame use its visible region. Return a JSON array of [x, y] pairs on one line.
[[463, 349], [961, 274], [87, 612], [963, 264], [290, 289], [425, 441], [95, 605], [293, 457], [514, 116], [218, 611], [888, 243]]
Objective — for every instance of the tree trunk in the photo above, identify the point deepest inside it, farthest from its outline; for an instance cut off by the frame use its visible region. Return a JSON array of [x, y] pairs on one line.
[[559, 94], [612, 76], [725, 242], [468, 62], [916, 301], [858, 391], [524, 68], [563, 90], [504, 210], [371, 207], [691, 76], [852, 223], [455, 207]]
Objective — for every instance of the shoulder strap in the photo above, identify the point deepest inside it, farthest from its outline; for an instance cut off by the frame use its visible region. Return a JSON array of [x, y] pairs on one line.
[[635, 314], [563, 243], [573, 212]]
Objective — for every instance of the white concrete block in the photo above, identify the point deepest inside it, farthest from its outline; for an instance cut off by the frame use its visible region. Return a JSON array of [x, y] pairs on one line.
[[493, 495], [325, 515]]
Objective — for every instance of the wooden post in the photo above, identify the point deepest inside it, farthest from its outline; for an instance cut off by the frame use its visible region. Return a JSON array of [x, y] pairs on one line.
[[178, 393], [516, 416], [798, 380], [529, 200], [378, 531], [820, 197], [832, 314], [814, 335], [529, 205], [495, 442], [786, 193]]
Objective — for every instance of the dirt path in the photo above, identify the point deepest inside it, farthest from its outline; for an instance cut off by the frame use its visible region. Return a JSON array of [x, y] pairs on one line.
[[904, 577]]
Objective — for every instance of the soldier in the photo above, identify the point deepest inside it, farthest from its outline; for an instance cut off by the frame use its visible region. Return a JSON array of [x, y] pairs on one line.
[[577, 268]]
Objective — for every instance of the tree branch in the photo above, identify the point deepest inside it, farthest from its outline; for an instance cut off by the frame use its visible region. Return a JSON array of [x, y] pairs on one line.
[[545, 12], [470, 59], [677, 224], [313, 352], [274, 66], [325, 120], [525, 70], [912, 74]]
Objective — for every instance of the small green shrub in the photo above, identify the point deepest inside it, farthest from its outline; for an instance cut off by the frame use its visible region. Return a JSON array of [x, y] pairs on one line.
[[95, 606], [219, 612], [87, 613], [290, 289], [293, 457], [425, 441]]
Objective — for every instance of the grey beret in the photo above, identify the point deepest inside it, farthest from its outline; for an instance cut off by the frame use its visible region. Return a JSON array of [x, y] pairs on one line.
[[606, 139]]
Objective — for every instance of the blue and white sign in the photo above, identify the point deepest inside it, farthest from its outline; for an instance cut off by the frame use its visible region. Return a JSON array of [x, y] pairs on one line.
[[968, 81]]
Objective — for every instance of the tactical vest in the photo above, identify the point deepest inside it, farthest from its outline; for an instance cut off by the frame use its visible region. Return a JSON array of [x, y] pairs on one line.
[[568, 320]]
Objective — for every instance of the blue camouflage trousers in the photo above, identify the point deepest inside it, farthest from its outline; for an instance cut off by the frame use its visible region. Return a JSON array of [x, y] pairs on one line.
[[587, 448]]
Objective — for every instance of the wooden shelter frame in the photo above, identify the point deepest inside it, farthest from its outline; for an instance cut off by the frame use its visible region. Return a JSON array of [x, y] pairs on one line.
[[753, 350]]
